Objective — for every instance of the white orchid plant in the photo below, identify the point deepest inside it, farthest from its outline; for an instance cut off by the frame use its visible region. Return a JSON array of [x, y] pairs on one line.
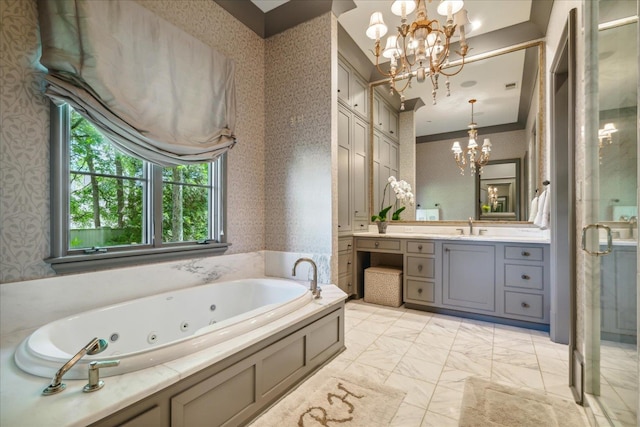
[[404, 196]]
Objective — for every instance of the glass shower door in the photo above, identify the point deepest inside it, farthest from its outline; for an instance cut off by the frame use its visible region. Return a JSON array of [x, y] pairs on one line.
[[617, 181]]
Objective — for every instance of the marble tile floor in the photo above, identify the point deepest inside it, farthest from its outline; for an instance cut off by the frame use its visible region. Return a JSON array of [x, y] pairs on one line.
[[429, 356], [619, 382]]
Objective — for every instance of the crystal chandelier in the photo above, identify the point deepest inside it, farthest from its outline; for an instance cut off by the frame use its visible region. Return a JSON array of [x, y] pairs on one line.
[[420, 49], [475, 162], [493, 196]]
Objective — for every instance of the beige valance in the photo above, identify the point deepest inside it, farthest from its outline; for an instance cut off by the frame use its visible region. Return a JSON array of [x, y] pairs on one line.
[[155, 91]]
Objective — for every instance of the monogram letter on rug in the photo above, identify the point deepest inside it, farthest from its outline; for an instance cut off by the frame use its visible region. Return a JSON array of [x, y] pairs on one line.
[[324, 419], [334, 399]]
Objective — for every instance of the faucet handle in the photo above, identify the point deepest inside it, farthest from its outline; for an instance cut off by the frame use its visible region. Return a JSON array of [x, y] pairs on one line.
[[95, 383]]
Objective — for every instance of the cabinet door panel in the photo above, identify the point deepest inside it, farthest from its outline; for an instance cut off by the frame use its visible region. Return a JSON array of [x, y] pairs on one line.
[[469, 276], [343, 82], [359, 91], [344, 170], [360, 175]]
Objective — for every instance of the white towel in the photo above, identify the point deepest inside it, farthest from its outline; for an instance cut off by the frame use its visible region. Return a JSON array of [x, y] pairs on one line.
[[533, 209], [541, 201], [546, 211]]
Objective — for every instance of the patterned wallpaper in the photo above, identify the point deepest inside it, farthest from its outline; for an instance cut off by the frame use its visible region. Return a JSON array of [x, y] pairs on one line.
[[298, 137], [295, 175], [24, 146]]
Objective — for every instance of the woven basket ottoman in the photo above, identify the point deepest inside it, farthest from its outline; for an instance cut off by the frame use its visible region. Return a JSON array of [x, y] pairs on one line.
[[383, 285]]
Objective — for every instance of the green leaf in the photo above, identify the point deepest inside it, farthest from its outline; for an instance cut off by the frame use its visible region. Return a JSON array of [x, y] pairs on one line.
[[396, 214]]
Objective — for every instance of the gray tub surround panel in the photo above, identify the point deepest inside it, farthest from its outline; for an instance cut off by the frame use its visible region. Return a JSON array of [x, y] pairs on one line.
[[493, 278], [272, 358]]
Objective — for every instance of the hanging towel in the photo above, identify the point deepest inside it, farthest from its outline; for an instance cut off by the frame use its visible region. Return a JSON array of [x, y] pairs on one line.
[[546, 211], [533, 209], [541, 201]]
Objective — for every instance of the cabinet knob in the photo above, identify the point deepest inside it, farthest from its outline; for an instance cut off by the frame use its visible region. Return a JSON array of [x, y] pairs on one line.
[[525, 277], [348, 262], [525, 253], [419, 290], [419, 267], [419, 247], [349, 245], [390, 131], [361, 225], [355, 105], [377, 243], [524, 305], [338, 90]]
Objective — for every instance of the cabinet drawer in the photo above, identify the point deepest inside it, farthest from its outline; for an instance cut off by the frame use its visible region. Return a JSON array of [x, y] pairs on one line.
[[523, 276], [382, 244], [420, 291], [345, 245], [418, 247], [344, 264], [420, 267], [522, 304], [523, 253]]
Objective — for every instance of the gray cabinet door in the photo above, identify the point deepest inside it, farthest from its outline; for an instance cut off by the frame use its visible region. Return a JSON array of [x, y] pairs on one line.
[[360, 170], [618, 291], [344, 170], [468, 273]]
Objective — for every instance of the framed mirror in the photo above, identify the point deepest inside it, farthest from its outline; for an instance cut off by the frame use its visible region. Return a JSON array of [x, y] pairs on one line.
[[508, 86], [498, 191]]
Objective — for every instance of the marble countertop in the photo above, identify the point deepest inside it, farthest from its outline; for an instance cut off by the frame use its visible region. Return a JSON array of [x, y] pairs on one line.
[[461, 237], [23, 404]]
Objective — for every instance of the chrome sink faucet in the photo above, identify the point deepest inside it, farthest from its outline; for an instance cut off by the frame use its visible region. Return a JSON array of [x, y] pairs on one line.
[[315, 290], [95, 346], [633, 221], [470, 226]]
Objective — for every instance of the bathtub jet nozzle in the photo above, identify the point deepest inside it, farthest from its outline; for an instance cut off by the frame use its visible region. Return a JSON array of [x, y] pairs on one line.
[[95, 346]]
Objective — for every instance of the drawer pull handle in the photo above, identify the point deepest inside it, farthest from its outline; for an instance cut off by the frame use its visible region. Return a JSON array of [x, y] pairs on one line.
[[419, 267], [349, 245], [348, 262], [419, 290], [524, 305], [377, 243], [525, 277], [525, 253], [419, 247]]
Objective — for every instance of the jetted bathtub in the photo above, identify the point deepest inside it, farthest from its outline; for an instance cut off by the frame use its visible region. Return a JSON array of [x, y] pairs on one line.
[[149, 331]]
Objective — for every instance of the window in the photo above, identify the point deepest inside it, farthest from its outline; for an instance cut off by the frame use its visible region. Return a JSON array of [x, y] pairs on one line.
[[111, 209]]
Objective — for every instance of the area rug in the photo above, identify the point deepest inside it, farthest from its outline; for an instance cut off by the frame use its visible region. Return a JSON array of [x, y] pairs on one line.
[[332, 398], [490, 404]]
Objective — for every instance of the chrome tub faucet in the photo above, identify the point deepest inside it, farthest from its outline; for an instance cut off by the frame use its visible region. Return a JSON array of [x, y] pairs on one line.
[[95, 346], [315, 290]]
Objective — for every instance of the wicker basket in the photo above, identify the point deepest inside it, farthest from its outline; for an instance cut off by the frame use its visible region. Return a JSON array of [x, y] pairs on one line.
[[383, 285]]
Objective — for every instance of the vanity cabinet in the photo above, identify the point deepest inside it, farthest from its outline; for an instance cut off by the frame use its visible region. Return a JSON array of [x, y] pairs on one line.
[[487, 279], [469, 276], [618, 293], [420, 271], [345, 265]]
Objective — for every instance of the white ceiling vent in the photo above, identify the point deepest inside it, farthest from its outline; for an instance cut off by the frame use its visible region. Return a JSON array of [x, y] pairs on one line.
[[510, 86]]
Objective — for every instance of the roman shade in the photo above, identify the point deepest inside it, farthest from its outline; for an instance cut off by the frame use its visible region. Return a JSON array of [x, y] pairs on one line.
[[153, 90]]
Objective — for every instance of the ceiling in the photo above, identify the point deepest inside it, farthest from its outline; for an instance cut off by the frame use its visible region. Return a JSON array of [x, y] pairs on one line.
[[484, 81]]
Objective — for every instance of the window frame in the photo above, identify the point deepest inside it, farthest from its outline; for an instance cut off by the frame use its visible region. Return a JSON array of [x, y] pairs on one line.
[[63, 260]]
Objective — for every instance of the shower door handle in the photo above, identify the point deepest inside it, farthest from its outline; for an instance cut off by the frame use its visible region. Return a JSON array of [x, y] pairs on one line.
[[597, 227]]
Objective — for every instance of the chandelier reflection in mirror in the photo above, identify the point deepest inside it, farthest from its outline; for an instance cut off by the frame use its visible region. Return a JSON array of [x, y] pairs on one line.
[[493, 197], [605, 138], [420, 49], [476, 162]]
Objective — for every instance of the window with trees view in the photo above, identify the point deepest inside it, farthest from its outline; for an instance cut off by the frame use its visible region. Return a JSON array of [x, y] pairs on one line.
[[116, 202]]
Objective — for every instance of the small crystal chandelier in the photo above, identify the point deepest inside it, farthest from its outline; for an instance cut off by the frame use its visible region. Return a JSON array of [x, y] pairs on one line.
[[605, 138], [420, 49], [493, 196], [472, 149]]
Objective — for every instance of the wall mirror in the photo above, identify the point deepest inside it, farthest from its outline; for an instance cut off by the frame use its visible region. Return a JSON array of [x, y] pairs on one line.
[[508, 85], [497, 192]]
